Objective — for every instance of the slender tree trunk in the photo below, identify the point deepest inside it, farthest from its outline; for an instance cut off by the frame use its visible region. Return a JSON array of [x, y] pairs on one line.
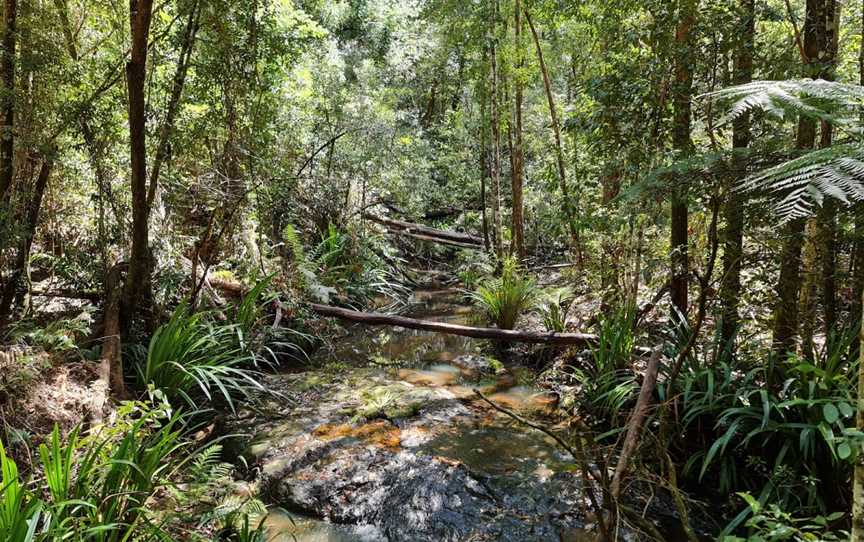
[[496, 137], [166, 129], [484, 159], [786, 317], [684, 49], [556, 130], [733, 209], [137, 295], [858, 245], [517, 174], [828, 215], [31, 221], [857, 534], [7, 77]]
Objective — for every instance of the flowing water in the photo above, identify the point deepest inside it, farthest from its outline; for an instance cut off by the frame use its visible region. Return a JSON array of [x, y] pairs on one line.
[[405, 399]]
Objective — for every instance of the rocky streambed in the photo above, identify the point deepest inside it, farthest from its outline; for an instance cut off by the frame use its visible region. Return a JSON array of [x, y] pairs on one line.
[[402, 450]]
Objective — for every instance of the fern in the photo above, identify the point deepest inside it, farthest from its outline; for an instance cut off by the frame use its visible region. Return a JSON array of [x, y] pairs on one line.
[[804, 182], [837, 103]]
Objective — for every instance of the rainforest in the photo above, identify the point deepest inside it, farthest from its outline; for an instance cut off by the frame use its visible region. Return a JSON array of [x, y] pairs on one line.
[[431, 270]]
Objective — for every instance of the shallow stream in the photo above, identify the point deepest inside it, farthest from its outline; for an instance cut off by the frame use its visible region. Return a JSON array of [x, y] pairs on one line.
[[385, 440]]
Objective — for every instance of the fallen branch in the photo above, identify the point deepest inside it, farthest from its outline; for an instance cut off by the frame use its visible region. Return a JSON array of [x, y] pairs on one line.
[[507, 335], [634, 428], [410, 227], [89, 295], [433, 239]]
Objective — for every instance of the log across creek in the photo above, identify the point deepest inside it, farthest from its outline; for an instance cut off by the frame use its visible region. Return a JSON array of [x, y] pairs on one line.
[[495, 334], [426, 233]]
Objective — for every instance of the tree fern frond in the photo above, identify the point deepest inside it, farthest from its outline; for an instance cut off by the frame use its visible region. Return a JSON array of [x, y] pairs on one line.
[[836, 103], [835, 172]]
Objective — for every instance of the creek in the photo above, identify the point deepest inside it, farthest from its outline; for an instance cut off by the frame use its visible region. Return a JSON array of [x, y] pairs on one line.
[[382, 438]]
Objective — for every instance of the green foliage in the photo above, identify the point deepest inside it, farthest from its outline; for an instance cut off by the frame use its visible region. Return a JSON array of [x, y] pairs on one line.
[[788, 444], [191, 357], [805, 181], [505, 298], [55, 336], [606, 380], [20, 510], [771, 524], [554, 306], [98, 487], [342, 266]]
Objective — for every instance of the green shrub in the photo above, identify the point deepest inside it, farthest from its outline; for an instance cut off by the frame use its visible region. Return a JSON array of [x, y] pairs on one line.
[[793, 445], [191, 357], [554, 307], [608, 383], [504, 299], [98, 487], [772, 524]]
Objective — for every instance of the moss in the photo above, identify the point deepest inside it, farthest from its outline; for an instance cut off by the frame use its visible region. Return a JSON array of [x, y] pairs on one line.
[[390, 402]]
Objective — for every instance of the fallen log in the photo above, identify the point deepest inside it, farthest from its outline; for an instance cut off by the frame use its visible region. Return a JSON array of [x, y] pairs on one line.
[[495, 334], [402, 226], [432, 239]]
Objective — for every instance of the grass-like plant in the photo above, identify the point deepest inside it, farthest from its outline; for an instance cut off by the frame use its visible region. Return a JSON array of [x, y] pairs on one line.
[[554, 307], [607, 381], [504, 299], [191, 357]]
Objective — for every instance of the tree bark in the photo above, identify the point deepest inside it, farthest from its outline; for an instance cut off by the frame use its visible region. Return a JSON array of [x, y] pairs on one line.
[[786, 317], [111, 365], [857, 534], [137, 294], [556, 130], [858, 246], [484, 160], [31, 221], [410, 227], [733, 208], [684, 48], [497, 236], [517, 175], [7, 77], [495, 334], [637, 419]]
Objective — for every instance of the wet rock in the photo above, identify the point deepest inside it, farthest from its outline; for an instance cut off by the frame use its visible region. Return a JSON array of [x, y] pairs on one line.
[[446, 469], [474, 366]]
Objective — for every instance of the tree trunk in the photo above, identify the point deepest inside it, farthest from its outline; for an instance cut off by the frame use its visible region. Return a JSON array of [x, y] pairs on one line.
[[828, 216], [31, 220], [684, 48], [556, 130], [733, 209], [7, 78], [789, 284], [517, 175], [167, 127], [496, 137], [137, 294], [857, 308], [857, 534], [484, 159]]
